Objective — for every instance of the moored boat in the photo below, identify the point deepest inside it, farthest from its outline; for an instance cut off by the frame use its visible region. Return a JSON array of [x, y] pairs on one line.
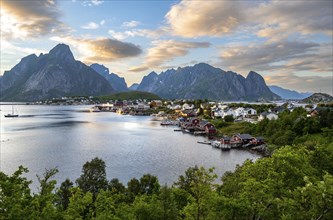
[[11, 115]]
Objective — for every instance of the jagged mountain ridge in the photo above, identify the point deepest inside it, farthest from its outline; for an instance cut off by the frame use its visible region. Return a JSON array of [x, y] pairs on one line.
[[289, 94], [51, 75], [134, 86], [117, 83], [203, 81]]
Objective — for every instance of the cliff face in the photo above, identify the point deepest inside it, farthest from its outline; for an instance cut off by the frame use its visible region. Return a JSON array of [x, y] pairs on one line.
[[117, 83], [203, 81], [51, 75]]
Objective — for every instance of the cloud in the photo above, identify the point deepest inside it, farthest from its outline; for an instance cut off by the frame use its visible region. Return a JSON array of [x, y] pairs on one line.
[[280, 19], [131, 24], [286, 55], [205, 18], [273, 19], [118, 35], [22, 19], [166, 50], [302, 83], [93, 2], [154, 34], [102, 49], [138, 68], [90, 26]]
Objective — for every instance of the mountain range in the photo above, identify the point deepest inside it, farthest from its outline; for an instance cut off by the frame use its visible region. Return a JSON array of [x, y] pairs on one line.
[[203, 81], [289, 94], [55, 74], [58, 74]]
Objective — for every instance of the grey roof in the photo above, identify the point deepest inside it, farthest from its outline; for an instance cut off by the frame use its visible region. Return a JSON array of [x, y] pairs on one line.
[[226, 138], [245, 136]]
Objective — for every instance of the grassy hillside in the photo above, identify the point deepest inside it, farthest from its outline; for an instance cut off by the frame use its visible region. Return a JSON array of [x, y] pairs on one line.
[[132, 95]]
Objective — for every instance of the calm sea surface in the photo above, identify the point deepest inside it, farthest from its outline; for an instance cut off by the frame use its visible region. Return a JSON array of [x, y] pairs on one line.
[[45, 137]]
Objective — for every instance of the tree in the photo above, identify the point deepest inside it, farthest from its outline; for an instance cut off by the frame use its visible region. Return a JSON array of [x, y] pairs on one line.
[[199, 182], [133, 189], [81, 205], [43, 203], [167, 203], [64, 194], [229, 118], [93, 177], [15, 197], [115, 186], [146, 208], [149, 184]]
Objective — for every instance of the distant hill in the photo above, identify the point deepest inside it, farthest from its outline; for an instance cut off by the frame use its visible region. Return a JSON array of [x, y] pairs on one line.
[[288, 94], [134, 86], [117, 83], [132, 95], [318, 98], [51, 75], [203, 81]]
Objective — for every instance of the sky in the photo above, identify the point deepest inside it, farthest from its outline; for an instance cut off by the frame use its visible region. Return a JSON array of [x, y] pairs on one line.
[[288, 42]]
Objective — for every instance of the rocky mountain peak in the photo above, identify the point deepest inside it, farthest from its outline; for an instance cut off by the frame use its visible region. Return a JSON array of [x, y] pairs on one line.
[[254, 76], [101, 69], [55, 74], [117, 83], [62, 52], [152, 74]]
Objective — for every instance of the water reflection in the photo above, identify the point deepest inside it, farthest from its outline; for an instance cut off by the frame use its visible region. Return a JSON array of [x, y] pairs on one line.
[[64, 137]]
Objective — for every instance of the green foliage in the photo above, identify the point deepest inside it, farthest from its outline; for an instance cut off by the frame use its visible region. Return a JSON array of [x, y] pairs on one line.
[[64, 194], [93, 177], [296, 182], [15, 197], [290, 128], [115, 186], [43, 203], [132, 95], [229, 118]]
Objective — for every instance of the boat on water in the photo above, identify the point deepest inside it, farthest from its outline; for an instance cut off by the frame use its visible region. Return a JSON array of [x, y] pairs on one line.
[[216, 144], [11, 115], [205, 142], [94, 109], [223, 145], [169, 122]]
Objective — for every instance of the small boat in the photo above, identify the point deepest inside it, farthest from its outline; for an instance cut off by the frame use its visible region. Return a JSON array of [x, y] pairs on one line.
[[225, 146], [168, 122], [216, 144], [94, 109], [204, 142], [12, 115]]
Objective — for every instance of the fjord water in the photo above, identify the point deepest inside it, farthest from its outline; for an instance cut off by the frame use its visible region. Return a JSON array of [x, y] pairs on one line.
[[44, 137]]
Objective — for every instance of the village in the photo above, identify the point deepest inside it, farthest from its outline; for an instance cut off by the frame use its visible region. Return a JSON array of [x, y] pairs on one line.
[[198, 117]]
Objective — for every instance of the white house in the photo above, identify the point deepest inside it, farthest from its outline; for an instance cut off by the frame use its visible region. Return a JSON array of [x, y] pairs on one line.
[[187, 107], [218, 113], [249, 111], [229, 112], [239, 112], [268, 115]]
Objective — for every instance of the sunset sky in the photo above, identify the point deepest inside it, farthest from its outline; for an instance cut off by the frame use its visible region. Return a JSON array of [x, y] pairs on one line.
[[288, 42]]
